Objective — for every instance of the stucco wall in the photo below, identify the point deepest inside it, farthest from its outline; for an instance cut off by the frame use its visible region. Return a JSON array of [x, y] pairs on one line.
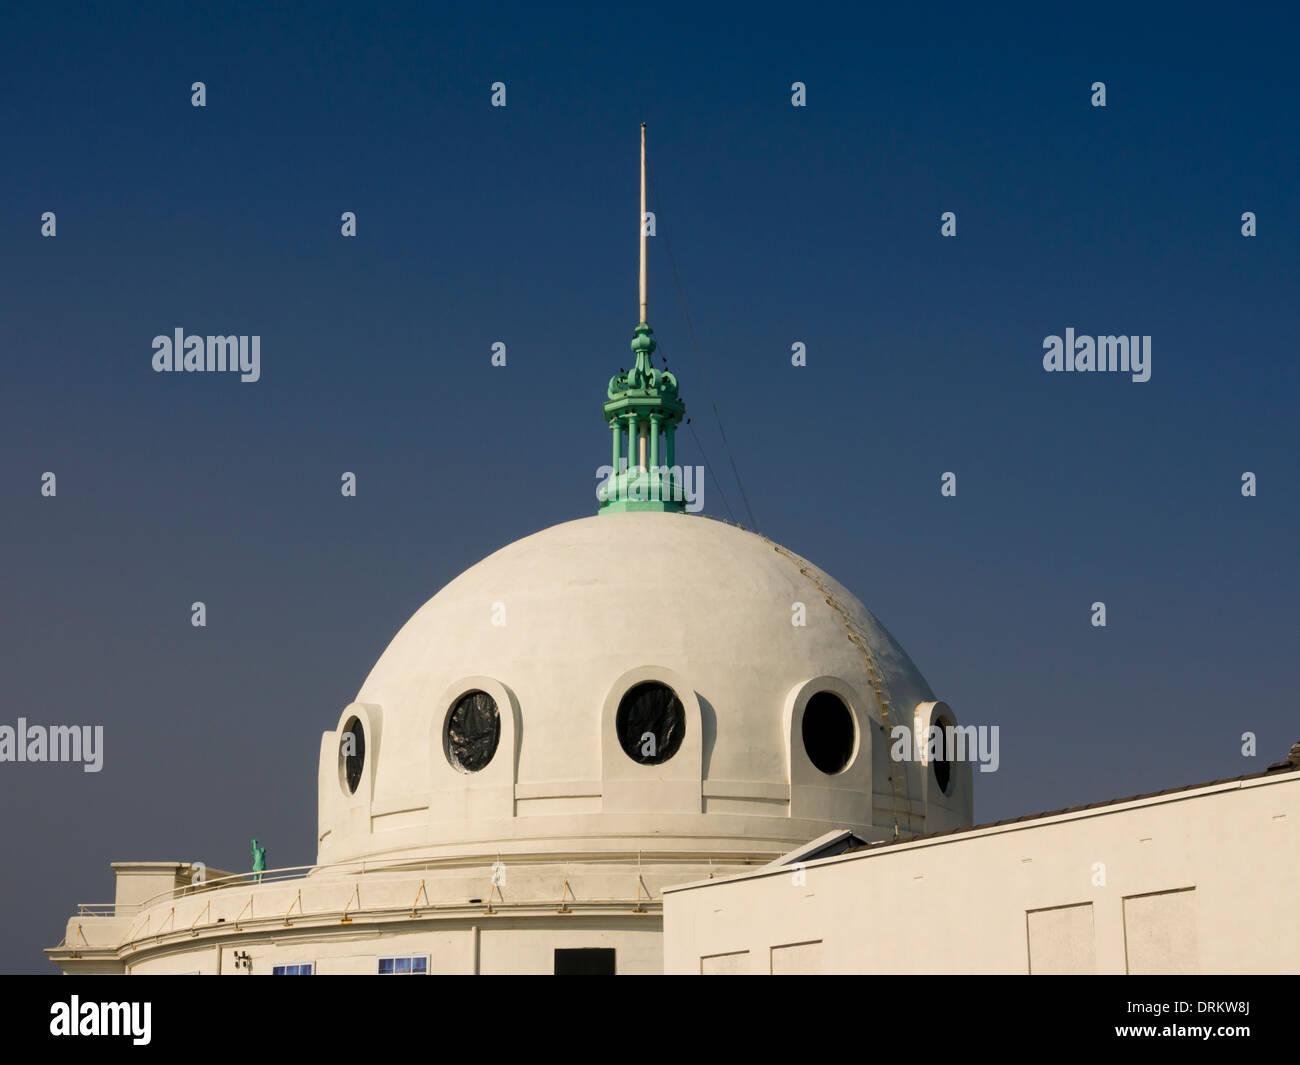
[[488, 946], [1204, 880]]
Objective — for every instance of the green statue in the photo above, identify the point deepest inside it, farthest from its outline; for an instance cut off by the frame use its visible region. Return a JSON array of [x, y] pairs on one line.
[[259, 862]]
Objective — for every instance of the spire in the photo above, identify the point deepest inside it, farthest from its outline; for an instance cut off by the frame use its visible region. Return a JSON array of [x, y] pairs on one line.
[[642, 227], [642, 408]]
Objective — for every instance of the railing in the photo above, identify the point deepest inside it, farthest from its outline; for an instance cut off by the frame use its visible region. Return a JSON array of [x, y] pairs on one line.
[[395, 865]]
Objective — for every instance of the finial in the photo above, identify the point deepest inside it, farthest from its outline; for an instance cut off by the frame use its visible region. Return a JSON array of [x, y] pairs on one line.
[[643, 409], [642, 229]]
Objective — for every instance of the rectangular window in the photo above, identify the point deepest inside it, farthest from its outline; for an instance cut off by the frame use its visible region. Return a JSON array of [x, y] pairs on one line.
[[584, 961], [306, 968], [405, 965]]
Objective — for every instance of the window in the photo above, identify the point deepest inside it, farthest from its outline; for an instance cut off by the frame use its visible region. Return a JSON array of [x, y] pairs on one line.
[[942, 761], [404, 965], [650, 723], [352, 752], [306, 968], [829, 733], [584, 961], [473, 731]]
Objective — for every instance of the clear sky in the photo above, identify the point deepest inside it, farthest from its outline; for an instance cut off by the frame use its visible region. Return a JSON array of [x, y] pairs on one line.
[[817, 224]]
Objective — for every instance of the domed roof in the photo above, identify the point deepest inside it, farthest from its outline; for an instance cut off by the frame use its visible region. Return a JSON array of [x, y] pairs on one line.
[[556, 629], [591, 598], [644, 680]]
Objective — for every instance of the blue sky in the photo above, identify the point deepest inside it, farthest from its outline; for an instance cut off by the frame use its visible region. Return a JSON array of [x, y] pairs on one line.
[[478, 224]]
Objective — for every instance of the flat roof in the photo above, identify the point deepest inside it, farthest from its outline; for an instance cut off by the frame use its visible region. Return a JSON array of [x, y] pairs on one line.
[[1277, 772], [1273, 770]]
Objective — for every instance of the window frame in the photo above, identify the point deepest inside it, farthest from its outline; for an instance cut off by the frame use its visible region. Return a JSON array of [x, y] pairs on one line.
[[412, 958], [681, 716]]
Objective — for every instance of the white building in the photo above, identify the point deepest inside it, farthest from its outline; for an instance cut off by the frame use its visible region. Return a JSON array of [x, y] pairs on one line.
[[635, 699], [482, 743], [1193, 880], [630, 701]]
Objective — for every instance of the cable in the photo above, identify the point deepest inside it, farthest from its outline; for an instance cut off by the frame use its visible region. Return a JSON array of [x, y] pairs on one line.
[[707, 465], [704, 377], [716, 484]]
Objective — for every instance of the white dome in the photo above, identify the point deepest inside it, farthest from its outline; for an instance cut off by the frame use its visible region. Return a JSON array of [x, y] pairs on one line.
[[556, 628]]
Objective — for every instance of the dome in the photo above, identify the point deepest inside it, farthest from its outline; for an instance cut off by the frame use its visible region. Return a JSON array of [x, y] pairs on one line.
[[648, 681]]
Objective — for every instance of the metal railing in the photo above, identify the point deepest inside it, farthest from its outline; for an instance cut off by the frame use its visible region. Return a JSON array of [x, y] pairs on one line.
[[406, 865]]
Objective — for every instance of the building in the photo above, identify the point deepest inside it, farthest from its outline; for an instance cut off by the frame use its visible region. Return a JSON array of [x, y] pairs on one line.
[[1200, 879], [635, 699], [649, 741]]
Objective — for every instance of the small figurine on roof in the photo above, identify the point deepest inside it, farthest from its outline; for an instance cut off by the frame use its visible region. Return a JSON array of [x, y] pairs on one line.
[[259, 862]]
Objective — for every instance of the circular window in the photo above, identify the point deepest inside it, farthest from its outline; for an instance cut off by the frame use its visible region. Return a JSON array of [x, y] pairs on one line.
[[352, 753], [473, 731], [829, 734], [650, 723], [943, 757]]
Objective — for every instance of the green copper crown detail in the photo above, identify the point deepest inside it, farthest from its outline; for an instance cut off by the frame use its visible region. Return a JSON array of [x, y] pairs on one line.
[[643, 378], [643, 407]]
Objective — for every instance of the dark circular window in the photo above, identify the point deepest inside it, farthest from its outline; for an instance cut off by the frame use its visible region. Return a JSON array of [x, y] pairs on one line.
[[828, 732], [650, 723], [473, 731], [943, 758], [352, 751]]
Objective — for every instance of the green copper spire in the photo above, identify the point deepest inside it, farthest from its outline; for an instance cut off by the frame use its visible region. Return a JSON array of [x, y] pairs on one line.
[[643, 406]]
